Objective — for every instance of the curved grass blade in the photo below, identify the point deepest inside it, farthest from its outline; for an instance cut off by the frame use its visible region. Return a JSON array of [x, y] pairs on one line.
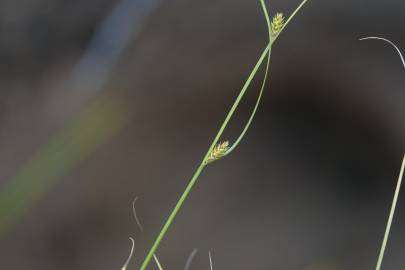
[[391, 43], [252, 115], [398, 187], [190, 259], [124, 267]]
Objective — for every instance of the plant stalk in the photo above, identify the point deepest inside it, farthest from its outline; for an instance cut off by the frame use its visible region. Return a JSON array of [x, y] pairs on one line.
[[200, 168], [391, 216]]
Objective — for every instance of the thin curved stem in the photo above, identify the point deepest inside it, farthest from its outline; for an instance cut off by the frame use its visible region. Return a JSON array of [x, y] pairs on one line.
[[266, 50], [252, 115], [398, 187], [190, 259], [124, 267], [389, 42]]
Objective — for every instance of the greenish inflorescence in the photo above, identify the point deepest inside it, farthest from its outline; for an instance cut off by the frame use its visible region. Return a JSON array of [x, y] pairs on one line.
[[277, 24], [217, 152]]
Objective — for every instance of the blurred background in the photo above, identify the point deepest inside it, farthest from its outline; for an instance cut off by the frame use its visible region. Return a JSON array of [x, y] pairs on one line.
[[102, 101]]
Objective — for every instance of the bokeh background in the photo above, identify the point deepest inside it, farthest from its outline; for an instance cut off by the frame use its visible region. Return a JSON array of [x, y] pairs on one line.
[[102, 101]]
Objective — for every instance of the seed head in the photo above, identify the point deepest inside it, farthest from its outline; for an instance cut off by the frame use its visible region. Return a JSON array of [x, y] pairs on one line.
[[277, 24], [217, 152]]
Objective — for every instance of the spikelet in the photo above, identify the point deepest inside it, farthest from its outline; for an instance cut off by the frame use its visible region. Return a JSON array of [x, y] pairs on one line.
[[217, 152], [277, 24]]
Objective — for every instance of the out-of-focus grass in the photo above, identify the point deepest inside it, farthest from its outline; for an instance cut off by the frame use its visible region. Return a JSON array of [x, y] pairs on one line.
[[94, 126]]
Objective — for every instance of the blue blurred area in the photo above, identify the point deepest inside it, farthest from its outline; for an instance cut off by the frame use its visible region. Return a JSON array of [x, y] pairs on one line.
[[109, 40]]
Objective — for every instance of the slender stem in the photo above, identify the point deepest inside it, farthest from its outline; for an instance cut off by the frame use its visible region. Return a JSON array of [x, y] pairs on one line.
[[391, 216], [391, 43], [197, 173], [130, 254], [201, 166], [157, 262], [395, 199], [259, 97], [291, 17], [209, 256]]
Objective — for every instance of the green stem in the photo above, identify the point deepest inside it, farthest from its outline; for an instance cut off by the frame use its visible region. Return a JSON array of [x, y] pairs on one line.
[[391, 216], [201, 166], [259, 97], [268, 49], [197, 173]]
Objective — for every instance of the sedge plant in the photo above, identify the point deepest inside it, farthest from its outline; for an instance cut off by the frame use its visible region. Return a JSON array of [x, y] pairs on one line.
[[217, 149]]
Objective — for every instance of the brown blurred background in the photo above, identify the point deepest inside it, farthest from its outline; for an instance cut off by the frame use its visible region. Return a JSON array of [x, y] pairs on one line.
[[105, 100]]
